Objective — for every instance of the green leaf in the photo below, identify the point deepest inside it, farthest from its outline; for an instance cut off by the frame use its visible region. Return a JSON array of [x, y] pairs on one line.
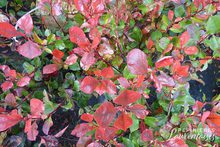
[[135, 123], [28, 68], [156, 35], [213, 24], [175, 119], [127, 142], [136, 34], [127, 74], [163, 43], [143, 8], [104, 19], [151, 121], [74, 67], [60, 44], [38, 75], [49, 106], [179, 11], [3, 3]]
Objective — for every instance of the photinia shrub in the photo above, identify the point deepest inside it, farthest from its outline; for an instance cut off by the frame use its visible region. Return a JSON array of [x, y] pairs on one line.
[[138, 55]]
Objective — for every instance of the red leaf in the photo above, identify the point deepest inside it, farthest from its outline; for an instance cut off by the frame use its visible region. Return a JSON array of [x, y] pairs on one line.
[[81, 129], [147, 135], [105, 133], [29, 50], [70, 60], [88, 84], [37, 108], [87, 60], [105, 114], [95, 36], [106, 86], [33, 132], [139, 110], [150, 43], [123, 82], [179, 70], [175, 142], [184, 38], [26, 23], [137, 62], [170, 15], [57, 53], [27, 125], [197, 107], [7, 30], [213, 122], [77, 36], [165, 61], [9, 120], [84, 141], [87, 117], [7, 85], [140, 80], [123, 122], [10, 99], [107, 72], [23, 81], [49, 69], [127, 97], [78, 51], [95, 144], [192, 50]]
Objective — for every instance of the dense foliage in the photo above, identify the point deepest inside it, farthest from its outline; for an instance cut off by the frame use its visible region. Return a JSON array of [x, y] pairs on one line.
[[139, 54]]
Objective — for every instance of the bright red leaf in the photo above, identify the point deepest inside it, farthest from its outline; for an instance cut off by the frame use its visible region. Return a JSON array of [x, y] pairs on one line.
[[179, 70], [106, 86], [50, 68], [37, 108], [57, 53], [139, 110], [88, 84], [71, 59], [26, 23], [95, 36], [10, 99], [7, 85], [29, 50], [127, 97], [170, 15], [23, 81], [81, 129], [9, 120], [192, 50], [165, 61], [87, 117], [7, 30], [137, 62], [78, 36], [184, 38], [105, 114], [123, 122], [147, 135], [107, 72], [213, 122]]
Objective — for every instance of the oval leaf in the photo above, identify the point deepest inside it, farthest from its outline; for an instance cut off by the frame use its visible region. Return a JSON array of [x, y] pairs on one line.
[[123, 122], [26, 23], [49, 69], [88, 84]]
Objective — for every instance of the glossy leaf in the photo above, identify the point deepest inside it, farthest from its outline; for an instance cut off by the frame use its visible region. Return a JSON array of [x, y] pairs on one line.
[[165, 61], [105, 133], [58, 54], [88, 84], [87, 60], [137, 62], [123, 122], [29, 50], [87, 117], [26, 23], [71, 59], [9, 120], [213, 24], [7, 85], [50, 68], [127, 97], [105, 114], [24, 81], [7, 30]]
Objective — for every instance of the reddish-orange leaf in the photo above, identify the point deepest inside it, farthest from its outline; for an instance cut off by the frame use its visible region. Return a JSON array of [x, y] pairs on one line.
[[87, 117], [139, 110], [106, 86], [57, 53], [105, 133], [179, 70], [213, 122], [95, 36], [137, 62], [87, 60], [88, 84], [78, 36], [107, 72], [7, 85], [23, 81], [10, 99], [71, 59], [7, 30], [105, 114], [165, 61], [26, 23], [150, 43], [147, 135], [37, 108], [81, 129], [127, 97], [123, 122], [9, 120], [50, 68], [27, 125], [140, 80], [184, 38], [170, 15], [29, 50], [192, 50]]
